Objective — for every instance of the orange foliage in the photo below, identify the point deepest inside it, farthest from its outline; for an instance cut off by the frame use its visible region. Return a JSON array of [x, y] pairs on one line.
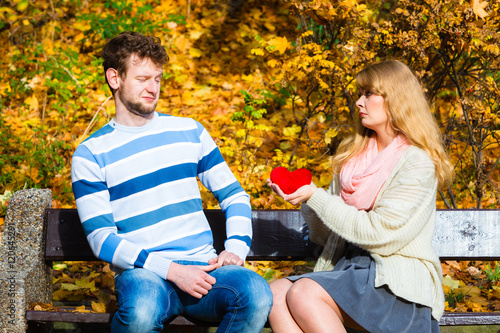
[[269, 94]]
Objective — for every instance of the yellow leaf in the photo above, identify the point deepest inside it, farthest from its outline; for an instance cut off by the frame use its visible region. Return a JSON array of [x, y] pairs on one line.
[[22, 5], [203, 93], [195, 34], [187, 98], [59, 295], [79, 37], [446, 290], [272, 63], [307, 33], [479, 300], [332, 132], [269, 26], [496, 291], [85, 283], [240, 133], [227, 86], [470, 291], [6, 10], [98, 307], [448, 281], [82, 26], [248, 78], [69, 286], [195, 53], [59, 266], [280, 44], [258, 52], [182, 43], [478, 8], [81, 309], [32, 103], [291, 131]]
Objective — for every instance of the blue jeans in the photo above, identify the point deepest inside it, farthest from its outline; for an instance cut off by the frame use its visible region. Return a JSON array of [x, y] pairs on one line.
[[239, 301]]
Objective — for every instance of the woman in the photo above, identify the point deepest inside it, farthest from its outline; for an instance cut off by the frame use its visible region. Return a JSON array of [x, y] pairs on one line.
[[378, 271]]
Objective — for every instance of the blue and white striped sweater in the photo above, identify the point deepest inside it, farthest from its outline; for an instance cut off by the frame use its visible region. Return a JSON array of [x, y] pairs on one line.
[[137, 194]]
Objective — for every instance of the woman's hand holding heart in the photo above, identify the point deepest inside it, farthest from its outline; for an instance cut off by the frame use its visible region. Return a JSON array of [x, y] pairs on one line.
[[295, 187]]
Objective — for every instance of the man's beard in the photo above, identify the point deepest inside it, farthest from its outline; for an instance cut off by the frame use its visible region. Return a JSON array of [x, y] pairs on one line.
[[136, 108]]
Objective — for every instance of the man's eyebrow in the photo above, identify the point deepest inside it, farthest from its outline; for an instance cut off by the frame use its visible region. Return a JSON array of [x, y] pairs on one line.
[[148, 75]]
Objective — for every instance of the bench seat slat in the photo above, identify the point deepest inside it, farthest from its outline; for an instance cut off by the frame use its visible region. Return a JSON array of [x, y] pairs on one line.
[[470, 318], [448, 319], [68, 316]]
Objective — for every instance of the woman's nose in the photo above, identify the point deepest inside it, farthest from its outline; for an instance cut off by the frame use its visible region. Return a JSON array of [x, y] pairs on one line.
[[359, 102]]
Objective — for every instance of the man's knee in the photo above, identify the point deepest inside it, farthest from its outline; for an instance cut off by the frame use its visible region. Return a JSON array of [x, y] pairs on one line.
[[260, 294], [144, 302], [137, 317], [251, 289]]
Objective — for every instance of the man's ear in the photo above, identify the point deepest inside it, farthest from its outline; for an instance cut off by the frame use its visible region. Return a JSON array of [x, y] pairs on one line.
[[113, 78]]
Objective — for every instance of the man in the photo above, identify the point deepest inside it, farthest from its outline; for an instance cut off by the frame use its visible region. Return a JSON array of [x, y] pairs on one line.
[[135, 185]]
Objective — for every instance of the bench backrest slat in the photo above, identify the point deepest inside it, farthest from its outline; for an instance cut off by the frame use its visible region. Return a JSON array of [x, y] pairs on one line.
[[460, 235], [66, 239]]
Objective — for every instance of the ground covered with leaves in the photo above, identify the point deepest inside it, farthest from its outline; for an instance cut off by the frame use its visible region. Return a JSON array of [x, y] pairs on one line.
[[469, 286]]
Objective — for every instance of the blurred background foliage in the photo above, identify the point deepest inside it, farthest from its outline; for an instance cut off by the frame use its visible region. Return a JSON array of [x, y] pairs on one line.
[[273, 82]]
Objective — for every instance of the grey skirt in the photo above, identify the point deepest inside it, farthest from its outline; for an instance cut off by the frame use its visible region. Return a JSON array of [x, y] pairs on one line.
[[352, 285]]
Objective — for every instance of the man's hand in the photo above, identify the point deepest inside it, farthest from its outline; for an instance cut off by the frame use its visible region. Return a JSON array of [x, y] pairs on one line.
[[192, 279], [226, 258]]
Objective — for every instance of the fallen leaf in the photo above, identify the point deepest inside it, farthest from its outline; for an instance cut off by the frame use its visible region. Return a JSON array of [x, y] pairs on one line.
[[98, 307], [81, 309], [478, 8], [448, 281]]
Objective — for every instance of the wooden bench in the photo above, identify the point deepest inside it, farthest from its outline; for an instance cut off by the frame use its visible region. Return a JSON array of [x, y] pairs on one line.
[[278, 235]]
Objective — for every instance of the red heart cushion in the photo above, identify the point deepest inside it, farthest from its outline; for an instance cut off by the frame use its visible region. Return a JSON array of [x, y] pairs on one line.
[[288, 181]]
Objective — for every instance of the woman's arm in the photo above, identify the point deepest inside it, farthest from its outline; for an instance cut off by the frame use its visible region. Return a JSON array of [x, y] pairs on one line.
[[402, 209], [318, 231]]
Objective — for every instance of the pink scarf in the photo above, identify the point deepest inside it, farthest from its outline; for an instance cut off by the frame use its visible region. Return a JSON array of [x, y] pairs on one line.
[[362, 177]]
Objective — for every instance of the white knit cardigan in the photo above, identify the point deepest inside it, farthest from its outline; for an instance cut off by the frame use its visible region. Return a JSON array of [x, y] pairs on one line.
[[397, 232]]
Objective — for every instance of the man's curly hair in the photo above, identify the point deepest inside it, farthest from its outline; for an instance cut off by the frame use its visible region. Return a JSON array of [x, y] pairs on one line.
[[117, 51]]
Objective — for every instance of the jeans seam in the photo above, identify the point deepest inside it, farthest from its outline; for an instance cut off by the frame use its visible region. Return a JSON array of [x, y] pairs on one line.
[[164, 316], [238, 299]]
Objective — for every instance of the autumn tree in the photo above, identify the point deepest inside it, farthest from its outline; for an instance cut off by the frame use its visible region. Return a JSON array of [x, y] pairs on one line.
[[54, 94], [273, 82], [452, 46]]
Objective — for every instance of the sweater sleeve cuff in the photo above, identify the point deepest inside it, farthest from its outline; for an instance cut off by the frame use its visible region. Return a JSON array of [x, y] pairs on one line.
[[158, 265], [237, 247], [318, 199]]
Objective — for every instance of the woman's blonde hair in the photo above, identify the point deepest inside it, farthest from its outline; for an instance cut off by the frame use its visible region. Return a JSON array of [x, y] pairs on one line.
[[408, 114]]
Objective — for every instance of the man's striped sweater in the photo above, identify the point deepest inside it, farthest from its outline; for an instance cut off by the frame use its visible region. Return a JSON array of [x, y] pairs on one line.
[[137, 194]]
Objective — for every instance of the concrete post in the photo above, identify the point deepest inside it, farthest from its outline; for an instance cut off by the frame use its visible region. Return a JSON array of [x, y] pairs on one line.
[[24, 276]]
